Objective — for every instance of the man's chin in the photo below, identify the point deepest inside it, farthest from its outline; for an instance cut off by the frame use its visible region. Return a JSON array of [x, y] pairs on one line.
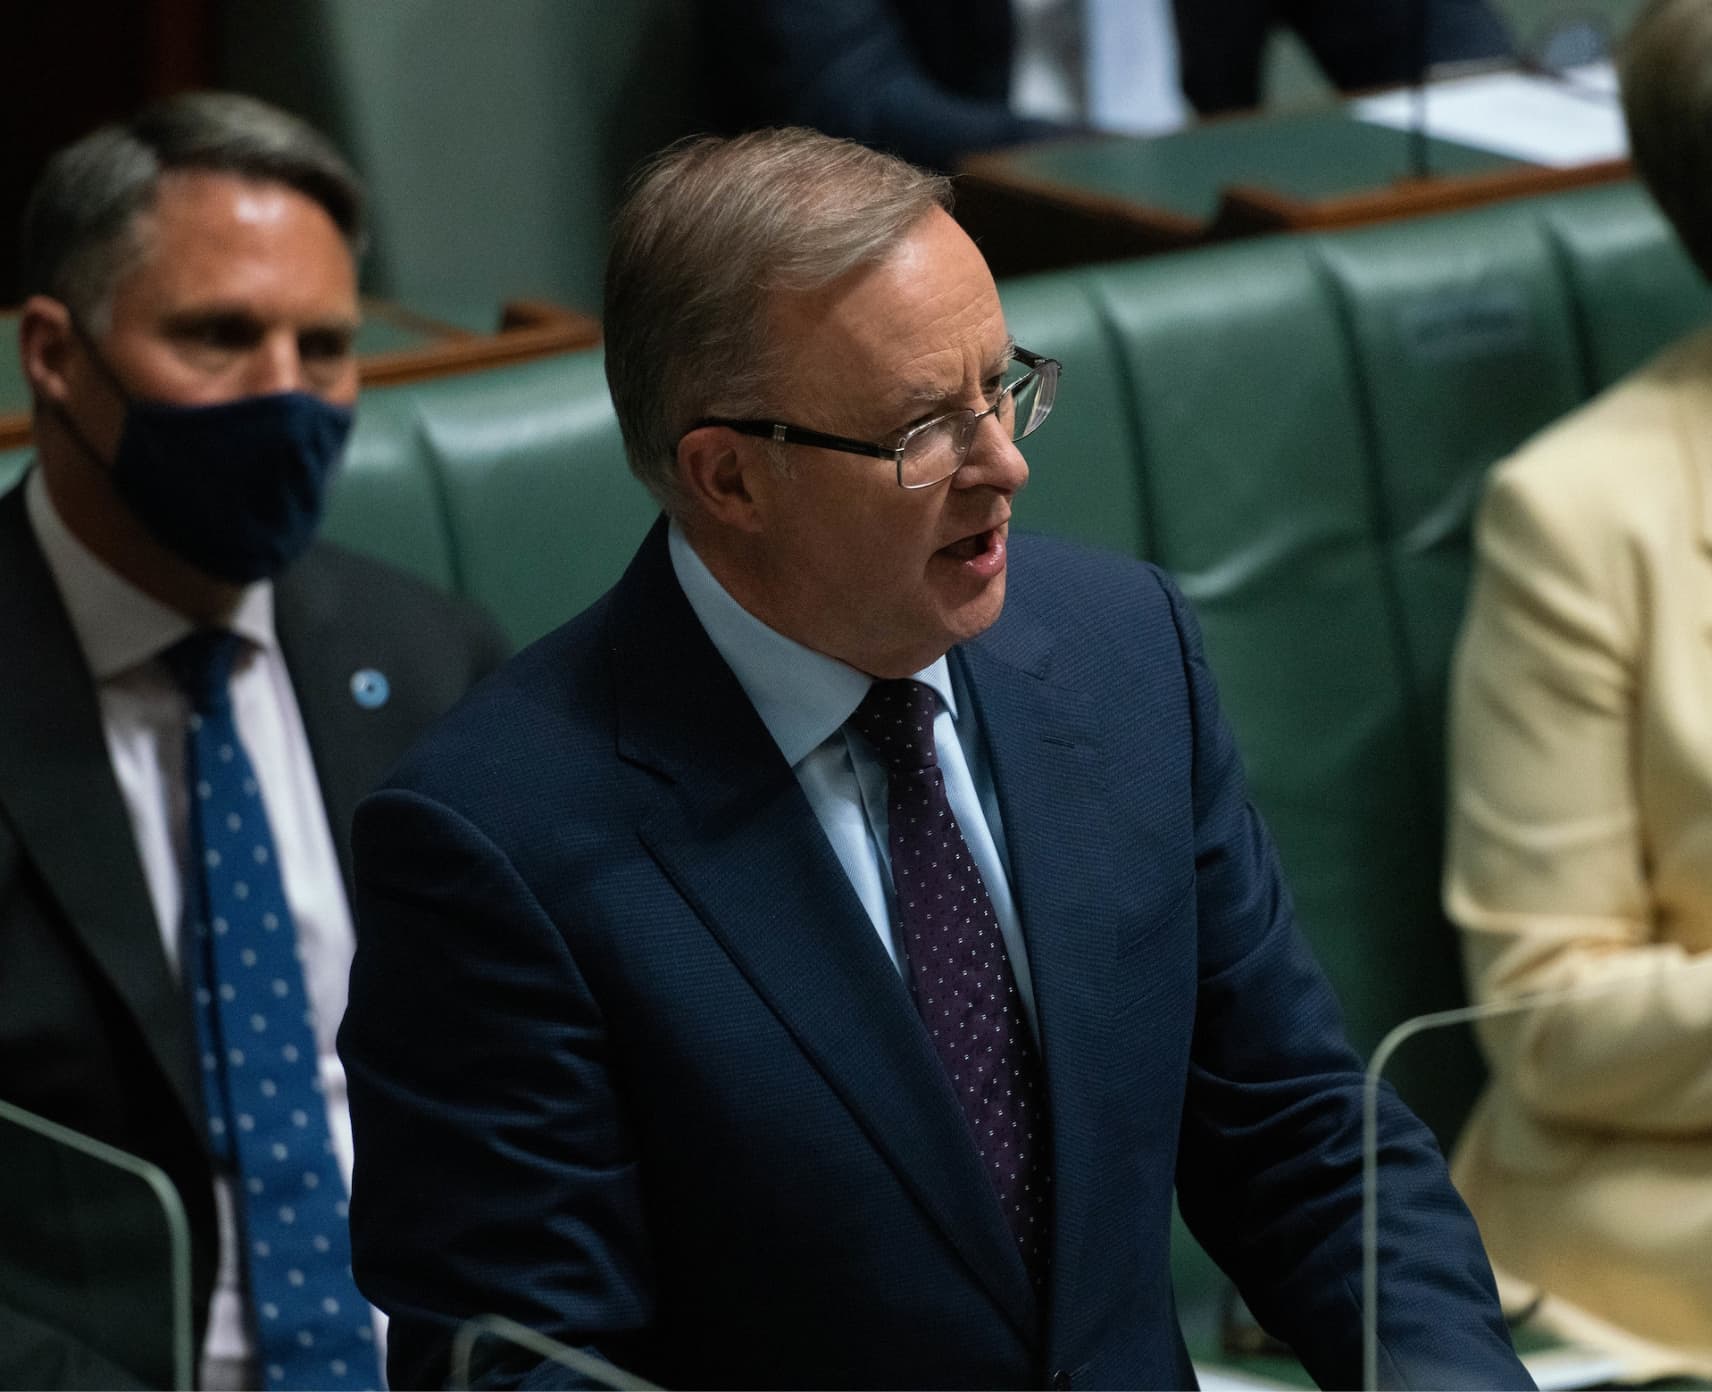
[[976, 614]]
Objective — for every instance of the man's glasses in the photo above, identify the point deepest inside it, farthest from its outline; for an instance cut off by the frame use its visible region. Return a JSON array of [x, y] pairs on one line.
[[933, 451]]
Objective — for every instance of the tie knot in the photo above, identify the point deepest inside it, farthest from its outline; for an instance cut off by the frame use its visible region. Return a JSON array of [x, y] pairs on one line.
[[202, 666], [896, 717]]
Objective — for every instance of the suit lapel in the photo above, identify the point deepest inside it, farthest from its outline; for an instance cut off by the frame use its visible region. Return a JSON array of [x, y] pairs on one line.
[[1050, 775], [738, 839], [58, 791], [329, 658]]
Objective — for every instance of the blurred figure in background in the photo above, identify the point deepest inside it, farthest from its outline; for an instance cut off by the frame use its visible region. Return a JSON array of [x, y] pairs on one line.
[[197, 694], [936, 80], [1357, 44], [1580, 838]]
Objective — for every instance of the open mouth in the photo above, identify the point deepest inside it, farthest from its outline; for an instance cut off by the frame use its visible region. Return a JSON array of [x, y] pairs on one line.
[[971, 546], [982, 552]]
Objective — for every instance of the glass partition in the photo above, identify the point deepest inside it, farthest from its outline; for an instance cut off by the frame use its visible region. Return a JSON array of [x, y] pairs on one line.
[[94, 1255], [1563, 1344], [488, 1340]]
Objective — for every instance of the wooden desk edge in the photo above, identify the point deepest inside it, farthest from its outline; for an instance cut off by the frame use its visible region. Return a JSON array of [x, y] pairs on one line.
[[533, 329], [987, 173], [1246, 209]]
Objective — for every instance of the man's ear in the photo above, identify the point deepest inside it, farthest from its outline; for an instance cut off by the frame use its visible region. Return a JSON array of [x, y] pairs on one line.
[[718, 472], [46, 341]]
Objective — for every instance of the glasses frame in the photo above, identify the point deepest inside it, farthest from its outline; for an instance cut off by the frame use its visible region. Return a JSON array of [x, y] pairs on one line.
[[1038, 365]]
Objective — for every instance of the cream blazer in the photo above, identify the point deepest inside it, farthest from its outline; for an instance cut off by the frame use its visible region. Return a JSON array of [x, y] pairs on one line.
[[1580, 856]]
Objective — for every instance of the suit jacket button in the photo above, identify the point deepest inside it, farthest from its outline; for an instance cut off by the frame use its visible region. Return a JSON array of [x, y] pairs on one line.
[[1061, 1381]]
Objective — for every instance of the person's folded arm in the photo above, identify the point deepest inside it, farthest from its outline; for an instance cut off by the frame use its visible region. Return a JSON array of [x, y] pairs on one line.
[[1547, 869]]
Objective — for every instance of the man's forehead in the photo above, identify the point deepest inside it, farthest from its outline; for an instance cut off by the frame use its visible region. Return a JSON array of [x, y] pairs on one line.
[[209, 205], [203, 224], [948, 372], [913, 326]]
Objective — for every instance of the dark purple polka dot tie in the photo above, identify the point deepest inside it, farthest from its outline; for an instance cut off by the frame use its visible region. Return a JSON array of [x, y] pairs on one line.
[[959, 974]]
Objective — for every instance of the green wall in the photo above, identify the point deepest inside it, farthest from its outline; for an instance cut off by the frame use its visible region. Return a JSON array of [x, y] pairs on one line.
[[495, 134]]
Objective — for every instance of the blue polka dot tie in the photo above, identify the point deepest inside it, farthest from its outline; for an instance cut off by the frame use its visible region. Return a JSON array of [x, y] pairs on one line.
[[959, 974], [267, 1123]]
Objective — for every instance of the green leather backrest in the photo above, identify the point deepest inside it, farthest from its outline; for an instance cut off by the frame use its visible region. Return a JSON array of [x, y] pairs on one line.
[[1298, 428], [13, 462], [1313, 420], [387, 500], [1461, 343], [508, 486], [14, 391], [1082, 479], [541, 510], [1461, 337], [1255, 466], [1633, 289]]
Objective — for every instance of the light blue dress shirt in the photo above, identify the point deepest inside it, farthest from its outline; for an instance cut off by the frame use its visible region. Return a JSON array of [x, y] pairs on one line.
[[804, 699]]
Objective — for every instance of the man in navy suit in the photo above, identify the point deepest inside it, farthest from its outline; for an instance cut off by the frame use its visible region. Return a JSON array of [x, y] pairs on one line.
[[818, 963], [931, 79]]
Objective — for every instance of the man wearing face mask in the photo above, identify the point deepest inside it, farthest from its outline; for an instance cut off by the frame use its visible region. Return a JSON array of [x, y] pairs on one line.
[[196, 695]]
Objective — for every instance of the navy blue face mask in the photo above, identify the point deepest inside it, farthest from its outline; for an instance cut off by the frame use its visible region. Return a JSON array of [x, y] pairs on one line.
[[237, 489]]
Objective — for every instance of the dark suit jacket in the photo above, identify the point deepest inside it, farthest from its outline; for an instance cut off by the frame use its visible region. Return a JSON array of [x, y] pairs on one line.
[[93, 1029], [925, 79], [629, 1063], [1358, 44], [930, 79]]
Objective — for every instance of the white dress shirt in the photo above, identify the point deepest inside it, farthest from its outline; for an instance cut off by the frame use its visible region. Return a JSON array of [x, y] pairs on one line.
[[804, 699], [1111, 63], [122, 633]]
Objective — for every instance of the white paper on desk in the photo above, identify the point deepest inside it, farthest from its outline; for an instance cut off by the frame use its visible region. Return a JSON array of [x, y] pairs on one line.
[[1558, 121]]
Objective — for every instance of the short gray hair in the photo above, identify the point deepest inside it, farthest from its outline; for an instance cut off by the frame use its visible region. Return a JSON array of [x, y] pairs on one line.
[[83, 224], [1666, 65], [712, 229]]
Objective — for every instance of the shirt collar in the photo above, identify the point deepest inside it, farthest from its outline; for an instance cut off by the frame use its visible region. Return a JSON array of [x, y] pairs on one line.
[[801, 695], [117, 625]]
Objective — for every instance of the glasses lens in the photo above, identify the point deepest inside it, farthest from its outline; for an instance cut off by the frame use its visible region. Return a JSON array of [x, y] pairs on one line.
[[936, 450], [1032, 399]]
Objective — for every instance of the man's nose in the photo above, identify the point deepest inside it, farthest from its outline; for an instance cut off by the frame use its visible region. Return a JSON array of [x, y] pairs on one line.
[[993, 461], [276, 365]]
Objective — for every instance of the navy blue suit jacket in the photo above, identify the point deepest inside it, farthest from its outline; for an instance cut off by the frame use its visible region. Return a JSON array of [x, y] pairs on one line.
[[628, 1062]]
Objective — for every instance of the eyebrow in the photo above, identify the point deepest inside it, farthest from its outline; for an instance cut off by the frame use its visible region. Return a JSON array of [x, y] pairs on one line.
[[195, 316], [924, 394]]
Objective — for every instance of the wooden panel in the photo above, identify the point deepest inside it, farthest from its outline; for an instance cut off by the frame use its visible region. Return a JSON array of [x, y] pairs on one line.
[[1024, 225], [1248, 209]]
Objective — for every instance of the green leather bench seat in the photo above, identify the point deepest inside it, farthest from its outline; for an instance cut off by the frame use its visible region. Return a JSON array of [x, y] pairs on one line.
[[1297, 428], [1313, 418], [508, 486], [1082, 478], [1255, 460]]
